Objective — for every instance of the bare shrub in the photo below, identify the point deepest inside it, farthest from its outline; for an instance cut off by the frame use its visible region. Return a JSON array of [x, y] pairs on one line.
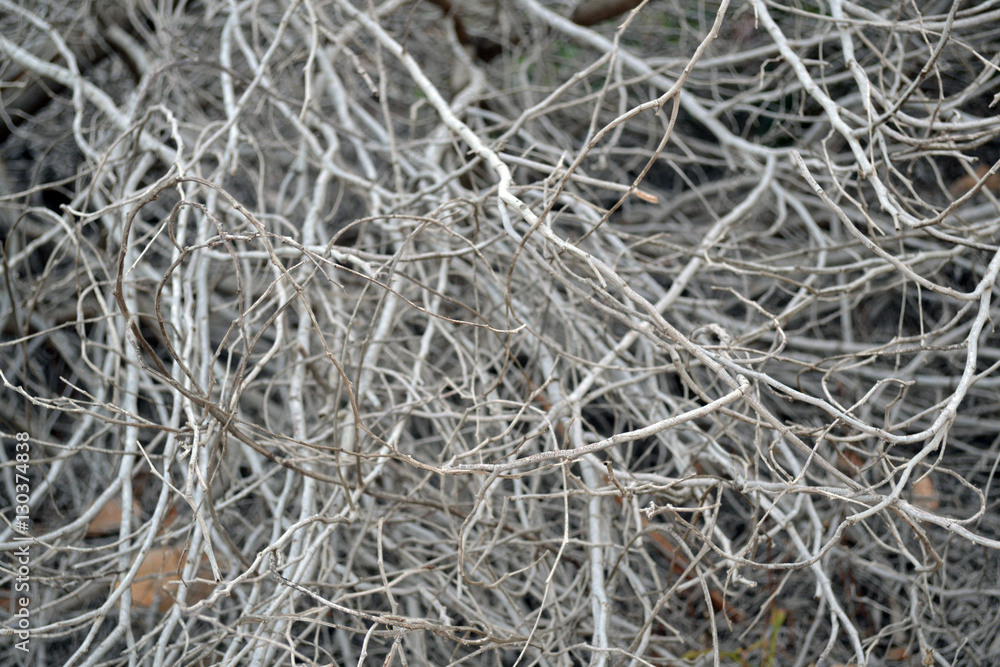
[[434, 333]]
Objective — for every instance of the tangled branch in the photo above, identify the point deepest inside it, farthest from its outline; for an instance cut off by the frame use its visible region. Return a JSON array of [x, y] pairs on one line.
[[452, 332]]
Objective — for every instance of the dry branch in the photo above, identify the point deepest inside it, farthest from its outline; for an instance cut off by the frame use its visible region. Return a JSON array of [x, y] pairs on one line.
[[446, 333]]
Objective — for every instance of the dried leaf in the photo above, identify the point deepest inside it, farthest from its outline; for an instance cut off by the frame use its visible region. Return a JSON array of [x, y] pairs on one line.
[[109, 520], [967, 182], [897, 653], [158, 577], [925, 494]]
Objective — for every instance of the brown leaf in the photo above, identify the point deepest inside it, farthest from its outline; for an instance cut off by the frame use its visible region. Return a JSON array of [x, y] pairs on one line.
[[897, 653], [109, 520], [158, 577], [967, 182], [925, 494], [590, 12], [850, 462]]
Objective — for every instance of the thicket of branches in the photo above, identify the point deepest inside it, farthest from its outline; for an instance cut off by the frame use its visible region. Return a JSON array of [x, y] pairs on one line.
[[429, 333]]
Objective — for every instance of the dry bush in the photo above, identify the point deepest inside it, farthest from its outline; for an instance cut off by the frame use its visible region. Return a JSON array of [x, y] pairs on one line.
[[429, 333]]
